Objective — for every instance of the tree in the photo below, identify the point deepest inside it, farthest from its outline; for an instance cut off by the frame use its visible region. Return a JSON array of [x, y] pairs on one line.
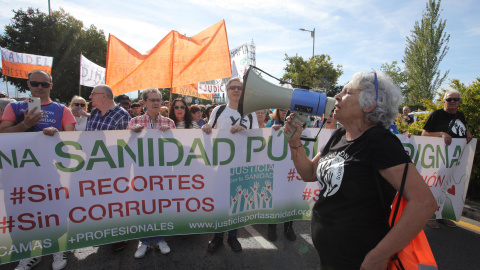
[[397, 74], [59, 35], [425, 49], [319, 72]]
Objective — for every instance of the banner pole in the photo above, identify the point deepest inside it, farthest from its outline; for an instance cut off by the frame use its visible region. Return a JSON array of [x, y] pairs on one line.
[[6, 83]]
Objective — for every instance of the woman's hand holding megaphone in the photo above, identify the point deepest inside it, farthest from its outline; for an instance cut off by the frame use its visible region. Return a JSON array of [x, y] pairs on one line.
[[293, 130]]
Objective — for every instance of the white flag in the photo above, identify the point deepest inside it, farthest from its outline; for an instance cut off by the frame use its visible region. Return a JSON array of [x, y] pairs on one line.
[[91, 74]]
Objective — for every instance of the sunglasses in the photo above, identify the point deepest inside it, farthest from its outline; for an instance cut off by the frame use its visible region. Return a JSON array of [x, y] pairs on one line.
[[233, 87], [179, 107], [79, 104], [43, 84], [376, 86], [154, 100], [452, 99]]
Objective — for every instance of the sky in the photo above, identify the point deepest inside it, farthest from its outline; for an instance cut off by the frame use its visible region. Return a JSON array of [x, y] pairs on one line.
[[359, 35]]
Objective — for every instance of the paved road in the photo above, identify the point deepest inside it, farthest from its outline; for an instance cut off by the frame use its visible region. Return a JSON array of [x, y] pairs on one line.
[[456, 248]]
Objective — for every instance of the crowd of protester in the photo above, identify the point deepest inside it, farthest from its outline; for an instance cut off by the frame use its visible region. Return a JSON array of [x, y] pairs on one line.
[[103, 111]]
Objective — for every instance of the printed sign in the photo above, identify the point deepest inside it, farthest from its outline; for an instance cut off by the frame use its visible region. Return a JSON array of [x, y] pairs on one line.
[[79, 189]]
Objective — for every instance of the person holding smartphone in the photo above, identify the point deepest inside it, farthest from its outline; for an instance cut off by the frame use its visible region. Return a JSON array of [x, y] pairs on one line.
[[51, 118]]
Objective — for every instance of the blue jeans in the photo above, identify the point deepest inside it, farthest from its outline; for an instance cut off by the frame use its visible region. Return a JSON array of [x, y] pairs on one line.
[[156, 239], [232, 233]]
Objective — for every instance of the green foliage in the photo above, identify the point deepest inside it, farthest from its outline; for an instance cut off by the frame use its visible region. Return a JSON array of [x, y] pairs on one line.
[[59, 35], [470, 100], [471, 109], [318, 72], [397, 74], [414, 128], [425, 49]]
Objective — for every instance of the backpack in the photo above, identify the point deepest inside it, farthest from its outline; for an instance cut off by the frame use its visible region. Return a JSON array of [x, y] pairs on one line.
[[221, 109]]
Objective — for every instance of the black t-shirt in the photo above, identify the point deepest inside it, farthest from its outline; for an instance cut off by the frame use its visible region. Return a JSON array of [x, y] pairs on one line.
[[349, 219], [442, 121]]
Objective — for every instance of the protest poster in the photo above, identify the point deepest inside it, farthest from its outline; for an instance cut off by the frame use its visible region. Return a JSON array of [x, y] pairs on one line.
[[91, 74], [18, 65], [79, 189]]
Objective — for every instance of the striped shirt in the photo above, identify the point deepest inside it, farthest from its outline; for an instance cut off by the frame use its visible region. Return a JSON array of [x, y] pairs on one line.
[[148, 123], [116, 118]]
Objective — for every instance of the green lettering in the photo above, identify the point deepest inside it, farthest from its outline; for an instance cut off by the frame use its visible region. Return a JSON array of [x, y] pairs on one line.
[[458, 150], [3, 156], [270, 149], [203, 155], [417, 155], [33, 159], [161, 151], [432, 157], [250, 151], [230, 143], [305, 146], [60, 153], [439, 154], [151, 156], [121, 144], [100, 145]]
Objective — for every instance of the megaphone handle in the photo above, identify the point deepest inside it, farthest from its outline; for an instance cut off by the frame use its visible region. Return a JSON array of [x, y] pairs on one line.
[[299, 118]]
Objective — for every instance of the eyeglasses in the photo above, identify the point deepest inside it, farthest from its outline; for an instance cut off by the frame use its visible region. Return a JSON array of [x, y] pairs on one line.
[[154, 100], [79, 104], [376, 86], [179, 107], [452, 99], [233, 87], [43, 84]]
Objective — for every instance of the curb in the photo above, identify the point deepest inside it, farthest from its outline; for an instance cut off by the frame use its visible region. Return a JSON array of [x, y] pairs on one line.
[[471, 210]]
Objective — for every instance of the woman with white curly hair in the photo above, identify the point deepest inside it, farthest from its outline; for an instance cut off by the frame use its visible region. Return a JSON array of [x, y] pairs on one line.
[[359, 171]]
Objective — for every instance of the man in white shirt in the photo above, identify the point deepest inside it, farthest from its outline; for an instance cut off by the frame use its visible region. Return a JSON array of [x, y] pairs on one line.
[[229, 118]]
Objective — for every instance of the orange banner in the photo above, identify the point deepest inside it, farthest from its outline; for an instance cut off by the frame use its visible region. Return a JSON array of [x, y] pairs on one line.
[[176, 60], [191, 90], [18, 65]]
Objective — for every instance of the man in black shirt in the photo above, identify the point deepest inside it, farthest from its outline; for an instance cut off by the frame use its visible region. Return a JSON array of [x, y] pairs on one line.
[[447, 123]]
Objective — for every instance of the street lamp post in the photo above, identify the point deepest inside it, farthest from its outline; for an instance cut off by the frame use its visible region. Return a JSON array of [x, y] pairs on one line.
[[313, 36]]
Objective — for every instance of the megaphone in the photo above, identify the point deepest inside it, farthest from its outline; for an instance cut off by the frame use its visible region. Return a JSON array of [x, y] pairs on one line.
[[260, 94]]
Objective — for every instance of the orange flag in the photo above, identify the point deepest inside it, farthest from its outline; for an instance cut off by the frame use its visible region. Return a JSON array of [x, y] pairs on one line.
[[18, 65], [176, 60]]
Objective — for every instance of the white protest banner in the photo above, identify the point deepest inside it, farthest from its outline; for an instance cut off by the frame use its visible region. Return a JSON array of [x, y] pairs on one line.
[[79, 189], [239, 58], [445, 169], [91, 74], [18, 65], [216, 88]]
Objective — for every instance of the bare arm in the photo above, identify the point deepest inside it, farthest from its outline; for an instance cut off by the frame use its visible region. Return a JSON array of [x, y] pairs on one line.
[[420, 208], [30, 119], [305, 167], [446, 138]]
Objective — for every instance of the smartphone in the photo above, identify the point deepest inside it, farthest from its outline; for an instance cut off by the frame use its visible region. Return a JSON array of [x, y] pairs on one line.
[[34, 102]]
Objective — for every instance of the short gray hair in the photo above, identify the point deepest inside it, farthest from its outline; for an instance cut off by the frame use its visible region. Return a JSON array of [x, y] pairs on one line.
[[108, 90], [389, 97], [452, 91], [150, 90], [236, 79], [4, 102]]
